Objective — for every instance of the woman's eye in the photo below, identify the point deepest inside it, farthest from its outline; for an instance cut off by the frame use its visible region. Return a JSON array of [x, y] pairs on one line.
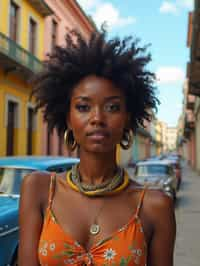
[[82, 107], [113, 107]]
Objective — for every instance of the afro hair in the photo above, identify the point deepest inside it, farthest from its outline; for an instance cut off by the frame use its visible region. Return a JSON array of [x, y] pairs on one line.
[[121, 61]]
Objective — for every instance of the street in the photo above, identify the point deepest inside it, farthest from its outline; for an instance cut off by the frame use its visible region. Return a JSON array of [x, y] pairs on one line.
[[187, 250]]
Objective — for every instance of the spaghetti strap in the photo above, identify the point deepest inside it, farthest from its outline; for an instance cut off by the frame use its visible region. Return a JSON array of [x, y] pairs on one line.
[[140, 201], [51, 189]]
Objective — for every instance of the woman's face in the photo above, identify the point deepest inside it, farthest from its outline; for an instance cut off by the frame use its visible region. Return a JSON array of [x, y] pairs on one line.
[[97, 114]]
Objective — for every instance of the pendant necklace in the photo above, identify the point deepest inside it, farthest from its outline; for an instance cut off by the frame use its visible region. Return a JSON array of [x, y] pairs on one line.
[[95, 227], [109, 187]]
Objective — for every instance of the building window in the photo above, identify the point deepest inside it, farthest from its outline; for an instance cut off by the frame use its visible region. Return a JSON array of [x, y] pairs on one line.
[[54, 34], [30, 126], [11, 125], [14, 20], [32, 36]]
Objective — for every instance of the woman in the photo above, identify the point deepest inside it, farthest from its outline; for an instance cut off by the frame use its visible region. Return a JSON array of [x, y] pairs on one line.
[[98, 93]]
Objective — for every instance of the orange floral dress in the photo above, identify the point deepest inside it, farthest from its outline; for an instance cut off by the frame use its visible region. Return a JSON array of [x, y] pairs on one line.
[[126, 246]]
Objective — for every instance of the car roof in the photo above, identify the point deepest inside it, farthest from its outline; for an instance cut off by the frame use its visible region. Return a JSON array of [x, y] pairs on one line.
[[175, 159], [154, 162], [36, 162]]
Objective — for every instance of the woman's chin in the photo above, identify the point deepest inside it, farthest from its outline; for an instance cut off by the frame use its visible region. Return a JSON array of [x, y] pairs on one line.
[[99, 148]]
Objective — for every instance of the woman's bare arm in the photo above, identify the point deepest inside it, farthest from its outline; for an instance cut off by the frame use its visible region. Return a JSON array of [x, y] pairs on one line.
[[161, 246], [34, 191]]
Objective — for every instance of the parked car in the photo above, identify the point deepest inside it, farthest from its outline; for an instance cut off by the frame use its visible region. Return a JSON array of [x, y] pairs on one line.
[[175, 160], [154, 158], [173, 156], [175, 163], [12, 171], [158, 174]]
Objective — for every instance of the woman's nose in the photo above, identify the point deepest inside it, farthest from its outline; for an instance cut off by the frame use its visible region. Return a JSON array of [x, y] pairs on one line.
[[97, 116]]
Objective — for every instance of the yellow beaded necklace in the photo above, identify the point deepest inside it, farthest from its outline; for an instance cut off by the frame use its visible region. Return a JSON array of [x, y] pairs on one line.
[[96, 192]]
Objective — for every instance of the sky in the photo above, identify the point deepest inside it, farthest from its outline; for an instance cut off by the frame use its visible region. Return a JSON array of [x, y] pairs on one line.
[[164, 25]]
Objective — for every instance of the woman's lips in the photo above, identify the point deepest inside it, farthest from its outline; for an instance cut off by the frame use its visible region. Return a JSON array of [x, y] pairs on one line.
[[98, 135]]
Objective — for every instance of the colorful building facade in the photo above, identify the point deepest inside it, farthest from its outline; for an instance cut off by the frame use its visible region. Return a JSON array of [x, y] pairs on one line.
[[189, 141], [21, 52], [29, 30], [67, 15], [141, 148]]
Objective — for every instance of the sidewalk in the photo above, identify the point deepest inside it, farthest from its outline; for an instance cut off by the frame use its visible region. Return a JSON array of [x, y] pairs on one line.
[[187, 250]]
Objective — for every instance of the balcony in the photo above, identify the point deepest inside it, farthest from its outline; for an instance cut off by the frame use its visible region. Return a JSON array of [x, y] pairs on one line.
[[194, 88], [186, 133], [41, 7], [189, 124], [14, 58], [195, 45], [189, 119], [190, 102], [194, 79]]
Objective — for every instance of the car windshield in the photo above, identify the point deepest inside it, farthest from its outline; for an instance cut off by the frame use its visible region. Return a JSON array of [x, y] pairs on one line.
[[10, 179], [152, 170]]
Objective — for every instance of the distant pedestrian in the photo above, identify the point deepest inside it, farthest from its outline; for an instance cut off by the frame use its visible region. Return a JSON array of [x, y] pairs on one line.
[[98, 93]]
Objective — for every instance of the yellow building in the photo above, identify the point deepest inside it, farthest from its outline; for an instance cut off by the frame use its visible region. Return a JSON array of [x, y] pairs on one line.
[[21, 49], [158, 136]]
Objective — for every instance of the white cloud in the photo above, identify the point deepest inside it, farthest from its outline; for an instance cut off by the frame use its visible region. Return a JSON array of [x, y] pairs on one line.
[[106, 12], [186, 3], [168, 7], [88, 4], [102, 11], [170, 75], [174, 7]]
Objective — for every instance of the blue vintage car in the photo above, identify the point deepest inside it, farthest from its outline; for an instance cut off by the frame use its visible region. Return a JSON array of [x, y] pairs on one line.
[[12, 171]]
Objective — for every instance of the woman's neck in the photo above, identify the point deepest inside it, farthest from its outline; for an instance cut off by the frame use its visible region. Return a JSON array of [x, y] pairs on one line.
[[95, 169]]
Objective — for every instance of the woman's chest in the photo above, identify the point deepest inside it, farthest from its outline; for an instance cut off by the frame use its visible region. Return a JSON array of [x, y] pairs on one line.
[[90, 221], [125, 245]]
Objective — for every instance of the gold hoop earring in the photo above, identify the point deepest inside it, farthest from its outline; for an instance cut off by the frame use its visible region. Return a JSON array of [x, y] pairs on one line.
[[127, 139], [69, 140]]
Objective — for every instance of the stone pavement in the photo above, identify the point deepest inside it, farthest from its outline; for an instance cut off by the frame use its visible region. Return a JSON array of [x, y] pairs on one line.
[[187, 249]]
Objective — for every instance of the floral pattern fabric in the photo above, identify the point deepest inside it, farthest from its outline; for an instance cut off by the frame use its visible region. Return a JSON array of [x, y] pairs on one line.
[[126, 246]]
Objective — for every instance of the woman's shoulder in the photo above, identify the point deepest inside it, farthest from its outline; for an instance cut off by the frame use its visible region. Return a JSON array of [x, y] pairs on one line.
[[155, 200], [158, 206], [155, 194], [36, 185], [36, 179]]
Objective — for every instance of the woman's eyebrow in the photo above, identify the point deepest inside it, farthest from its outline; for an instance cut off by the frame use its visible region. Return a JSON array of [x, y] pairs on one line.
[[86, 98], [113, 97]]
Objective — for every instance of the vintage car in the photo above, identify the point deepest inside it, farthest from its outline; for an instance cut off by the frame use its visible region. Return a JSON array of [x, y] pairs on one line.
[[176, 164], [12, 171], [158, 174]]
